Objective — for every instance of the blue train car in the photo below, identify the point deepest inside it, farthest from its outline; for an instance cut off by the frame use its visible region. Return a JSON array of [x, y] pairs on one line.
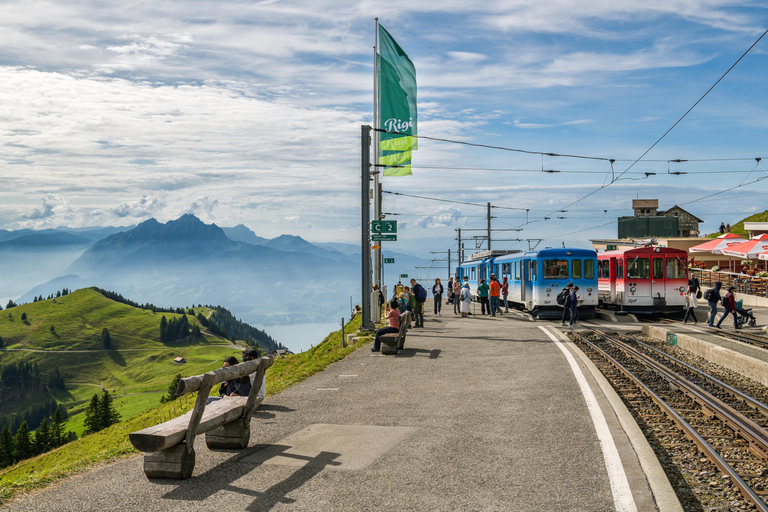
[[537, 277]]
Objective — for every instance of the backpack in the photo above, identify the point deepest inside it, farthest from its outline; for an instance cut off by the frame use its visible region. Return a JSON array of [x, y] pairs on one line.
[[724, 300], [708, 294], [420, 293], [562, 296]]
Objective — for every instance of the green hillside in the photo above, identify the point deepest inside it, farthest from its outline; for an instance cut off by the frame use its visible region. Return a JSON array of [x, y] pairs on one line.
[[738, 228], [138, 367]]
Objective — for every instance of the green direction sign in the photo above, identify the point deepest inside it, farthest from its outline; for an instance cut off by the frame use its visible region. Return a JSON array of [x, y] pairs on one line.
[[378, 237], [384, 226], [403, 276], [611, 247], [389, 260], [671, 339]]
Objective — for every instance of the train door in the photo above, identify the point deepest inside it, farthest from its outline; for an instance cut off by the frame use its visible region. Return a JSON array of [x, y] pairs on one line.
[[611, 274], [658, 287]]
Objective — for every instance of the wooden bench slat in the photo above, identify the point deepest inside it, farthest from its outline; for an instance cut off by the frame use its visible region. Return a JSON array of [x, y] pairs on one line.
[[172, 432]]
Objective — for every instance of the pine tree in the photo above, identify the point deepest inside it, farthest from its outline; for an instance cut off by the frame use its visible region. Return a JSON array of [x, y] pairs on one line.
[[43, 437], [107, 412], [57, 428], [92, 417], [6, 447], [22, 442], [23, 316], [163, 329], [106, 339], [171, 396]]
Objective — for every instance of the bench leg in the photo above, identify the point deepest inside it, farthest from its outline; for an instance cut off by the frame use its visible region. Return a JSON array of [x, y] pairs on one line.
[[174, 462], [402, 343], [232, 435], [386, 348]]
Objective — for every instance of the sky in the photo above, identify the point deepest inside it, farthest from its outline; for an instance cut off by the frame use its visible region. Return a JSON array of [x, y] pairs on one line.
[[251, 112]]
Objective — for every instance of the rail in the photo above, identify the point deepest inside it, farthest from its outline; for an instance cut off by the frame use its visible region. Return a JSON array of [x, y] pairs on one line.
[[744, 427]]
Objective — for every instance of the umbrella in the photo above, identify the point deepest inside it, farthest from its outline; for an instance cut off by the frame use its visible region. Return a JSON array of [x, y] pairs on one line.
[[718, 244], [749, 249]]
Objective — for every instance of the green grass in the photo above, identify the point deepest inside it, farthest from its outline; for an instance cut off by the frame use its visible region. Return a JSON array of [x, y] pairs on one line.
[[112, 443], [738, 228]]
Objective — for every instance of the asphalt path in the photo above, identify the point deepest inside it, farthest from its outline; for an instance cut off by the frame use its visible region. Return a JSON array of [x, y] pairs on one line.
[[474, 414]]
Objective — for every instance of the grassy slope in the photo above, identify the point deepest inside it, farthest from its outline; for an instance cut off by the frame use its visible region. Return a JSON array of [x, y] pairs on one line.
[[738, 228], [138, 368], [113, 443]]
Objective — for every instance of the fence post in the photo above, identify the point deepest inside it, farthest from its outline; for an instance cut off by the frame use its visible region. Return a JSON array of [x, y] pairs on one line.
[[343, 337]]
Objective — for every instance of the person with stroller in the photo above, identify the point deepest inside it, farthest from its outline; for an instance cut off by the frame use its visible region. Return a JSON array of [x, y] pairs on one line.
[[729, 302]]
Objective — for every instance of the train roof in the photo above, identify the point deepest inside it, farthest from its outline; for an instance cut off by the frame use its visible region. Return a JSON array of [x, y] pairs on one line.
[[635, 251], [551, 252]]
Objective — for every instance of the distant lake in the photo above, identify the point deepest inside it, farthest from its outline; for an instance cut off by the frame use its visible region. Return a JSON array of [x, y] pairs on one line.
[[301, 337]]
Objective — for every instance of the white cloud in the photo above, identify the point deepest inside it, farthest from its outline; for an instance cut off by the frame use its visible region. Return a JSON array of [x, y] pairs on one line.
[[51, 205], [146, 206], [202, 206]]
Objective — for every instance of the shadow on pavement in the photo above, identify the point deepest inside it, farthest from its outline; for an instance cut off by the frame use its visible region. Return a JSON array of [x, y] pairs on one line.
[[413, 352], [220, 478]]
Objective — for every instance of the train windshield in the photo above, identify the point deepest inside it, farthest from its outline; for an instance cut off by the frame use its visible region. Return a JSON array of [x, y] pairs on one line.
[[638, 268], [555, 269], [676, 268], [589, 269]]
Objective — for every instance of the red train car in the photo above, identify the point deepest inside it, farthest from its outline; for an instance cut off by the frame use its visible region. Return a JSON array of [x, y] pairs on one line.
[[645, 280]]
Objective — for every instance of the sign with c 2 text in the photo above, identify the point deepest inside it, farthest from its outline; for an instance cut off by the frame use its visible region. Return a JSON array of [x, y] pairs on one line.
[[384, 226]]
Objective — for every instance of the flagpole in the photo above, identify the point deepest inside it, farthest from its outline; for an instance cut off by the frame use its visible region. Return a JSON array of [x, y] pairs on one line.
[[376, 173]]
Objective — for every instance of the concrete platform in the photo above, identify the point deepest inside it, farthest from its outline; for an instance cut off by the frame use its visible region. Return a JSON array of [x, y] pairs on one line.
[[474, 414]]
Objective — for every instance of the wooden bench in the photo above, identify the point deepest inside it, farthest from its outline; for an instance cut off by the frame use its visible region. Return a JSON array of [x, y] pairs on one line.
[[169, 447], [391, 343]]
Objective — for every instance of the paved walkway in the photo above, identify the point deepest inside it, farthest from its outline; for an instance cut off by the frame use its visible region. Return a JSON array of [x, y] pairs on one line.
[[475, 414]]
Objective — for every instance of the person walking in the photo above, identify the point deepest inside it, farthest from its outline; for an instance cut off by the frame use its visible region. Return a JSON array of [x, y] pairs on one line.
[[393, 327], [437, 293], [449, 288], [565, 294], [419, 298], [574, 305], [730, 308], [457, 296], [690, 304], [505, 293], [482, 294], [466, 300], [694, 281], [495, 295], [712, 300]]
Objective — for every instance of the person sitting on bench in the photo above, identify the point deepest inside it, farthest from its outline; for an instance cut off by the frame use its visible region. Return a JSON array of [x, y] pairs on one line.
[[237, 387], [393, 315]]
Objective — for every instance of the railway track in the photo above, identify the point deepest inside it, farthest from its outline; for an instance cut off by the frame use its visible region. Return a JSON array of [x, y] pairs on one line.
[[740, 335], [690, 413]]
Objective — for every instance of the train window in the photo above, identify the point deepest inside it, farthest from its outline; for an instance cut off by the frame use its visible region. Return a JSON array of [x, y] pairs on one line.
[[658, 268], [555, 269], [576, 269], [638, 268], [589, 269], [619, 269], [517, 271], [676, 268]]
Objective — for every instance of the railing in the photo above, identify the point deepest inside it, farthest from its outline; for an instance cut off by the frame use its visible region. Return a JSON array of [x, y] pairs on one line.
[[742, 282]]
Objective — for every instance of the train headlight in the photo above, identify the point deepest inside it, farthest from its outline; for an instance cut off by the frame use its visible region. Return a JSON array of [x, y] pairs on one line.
[[589, 289], [632, 289], [549, 289], [682, 289]]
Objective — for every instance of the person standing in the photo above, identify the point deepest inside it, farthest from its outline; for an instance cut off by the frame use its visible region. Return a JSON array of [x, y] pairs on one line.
[[495, 293], [574, 306], [393, 316], [694, 282], [566, 293], [722, 228], [730, 307], [457, 296], [419, 298], [505, 293], [690, 304], [712, 300], [728, 228], [482, 294], [437, 293], [449, 288], [466, 300]]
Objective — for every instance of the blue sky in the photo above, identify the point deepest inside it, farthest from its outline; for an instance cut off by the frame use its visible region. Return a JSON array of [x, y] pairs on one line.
[[250, 112]]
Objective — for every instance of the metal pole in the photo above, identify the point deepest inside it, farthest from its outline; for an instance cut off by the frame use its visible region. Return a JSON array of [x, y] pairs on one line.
[[458, 251], [343, 338], [365, 139], [377, 263], [489, 226], [449, 263]]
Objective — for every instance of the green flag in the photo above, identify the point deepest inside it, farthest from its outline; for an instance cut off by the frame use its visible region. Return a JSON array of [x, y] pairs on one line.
[[397, 106]]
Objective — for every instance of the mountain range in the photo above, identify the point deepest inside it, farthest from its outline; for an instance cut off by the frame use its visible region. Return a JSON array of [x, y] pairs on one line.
[[283, 280]]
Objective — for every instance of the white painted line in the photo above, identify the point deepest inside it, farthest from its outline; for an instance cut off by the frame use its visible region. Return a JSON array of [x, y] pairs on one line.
[[327, 389], [348, 375], [622, 494]]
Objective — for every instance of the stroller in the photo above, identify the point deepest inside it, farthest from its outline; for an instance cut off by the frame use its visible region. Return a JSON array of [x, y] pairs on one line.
[[745, 315]]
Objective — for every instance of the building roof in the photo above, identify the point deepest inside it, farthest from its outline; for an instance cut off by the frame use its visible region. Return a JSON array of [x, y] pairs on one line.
[[682, 210], [645, 203]]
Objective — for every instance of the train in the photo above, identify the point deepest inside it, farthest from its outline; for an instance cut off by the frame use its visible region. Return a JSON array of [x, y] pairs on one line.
[[537, 277], [644, 280]]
